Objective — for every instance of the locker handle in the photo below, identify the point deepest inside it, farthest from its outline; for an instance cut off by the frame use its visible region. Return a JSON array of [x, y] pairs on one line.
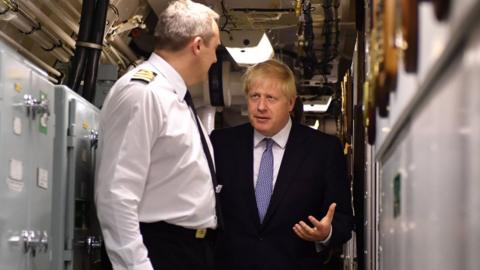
[[31, 241], [93, 136], [37, 242], [91, 243], [34, 106], [22, 239]]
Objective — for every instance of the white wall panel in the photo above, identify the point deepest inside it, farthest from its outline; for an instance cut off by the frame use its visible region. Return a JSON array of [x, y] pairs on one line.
[[438, 227], [471, 130]]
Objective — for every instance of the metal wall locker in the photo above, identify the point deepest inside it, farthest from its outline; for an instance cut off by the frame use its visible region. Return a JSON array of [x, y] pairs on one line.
[[431, 219], [394, 206], [77, 233], [27, 133]]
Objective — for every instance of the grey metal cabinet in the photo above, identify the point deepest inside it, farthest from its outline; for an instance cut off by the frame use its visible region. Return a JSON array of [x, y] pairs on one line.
[[76, 230], [26, 163]]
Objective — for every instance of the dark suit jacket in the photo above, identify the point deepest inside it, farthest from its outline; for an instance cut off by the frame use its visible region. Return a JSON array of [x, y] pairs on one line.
[[311, 177]]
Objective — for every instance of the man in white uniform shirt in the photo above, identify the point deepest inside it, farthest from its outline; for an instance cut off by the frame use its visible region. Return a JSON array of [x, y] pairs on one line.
[[154, 193]]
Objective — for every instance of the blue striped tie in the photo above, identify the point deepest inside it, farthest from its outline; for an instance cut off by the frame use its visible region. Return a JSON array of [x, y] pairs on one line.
[[264, 187]]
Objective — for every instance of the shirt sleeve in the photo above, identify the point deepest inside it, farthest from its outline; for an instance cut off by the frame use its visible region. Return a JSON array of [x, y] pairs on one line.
[[129, 124], [320, 245]]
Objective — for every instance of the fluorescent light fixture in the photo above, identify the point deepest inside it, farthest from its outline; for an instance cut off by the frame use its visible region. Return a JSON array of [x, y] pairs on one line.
[[245, 56], [320, 105]]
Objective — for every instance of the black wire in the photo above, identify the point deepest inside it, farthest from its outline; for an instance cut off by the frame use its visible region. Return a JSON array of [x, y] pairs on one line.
[[225, 15], [77, 64], [5, 11], [54, 46], [34, 29]]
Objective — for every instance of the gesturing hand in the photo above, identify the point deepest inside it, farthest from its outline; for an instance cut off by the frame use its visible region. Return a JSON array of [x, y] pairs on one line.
[[321, 229]]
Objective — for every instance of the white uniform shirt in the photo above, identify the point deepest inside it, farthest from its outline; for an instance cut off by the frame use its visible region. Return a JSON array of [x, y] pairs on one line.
[[150, 163]]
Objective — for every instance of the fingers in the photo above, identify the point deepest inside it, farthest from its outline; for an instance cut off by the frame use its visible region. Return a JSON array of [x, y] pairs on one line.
[[331, 212], [307, 229], [304, 231], [326, 220], [315, 222], [299, 232], [320, 228]]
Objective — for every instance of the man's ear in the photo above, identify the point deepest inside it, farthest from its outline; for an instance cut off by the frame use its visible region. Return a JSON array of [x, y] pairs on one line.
[[291, 103], [196, 43]]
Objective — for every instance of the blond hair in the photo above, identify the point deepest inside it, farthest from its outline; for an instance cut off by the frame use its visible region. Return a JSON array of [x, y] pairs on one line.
[[271, 68], [181, 21]]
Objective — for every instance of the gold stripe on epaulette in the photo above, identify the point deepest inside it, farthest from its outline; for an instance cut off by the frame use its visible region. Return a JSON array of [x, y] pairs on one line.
[[144, 75]]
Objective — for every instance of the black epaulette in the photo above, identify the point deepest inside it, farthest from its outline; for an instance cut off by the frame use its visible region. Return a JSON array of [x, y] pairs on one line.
[[144, 75]]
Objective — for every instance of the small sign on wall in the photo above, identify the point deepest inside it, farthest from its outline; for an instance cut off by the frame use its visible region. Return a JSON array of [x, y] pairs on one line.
[[42, 178]]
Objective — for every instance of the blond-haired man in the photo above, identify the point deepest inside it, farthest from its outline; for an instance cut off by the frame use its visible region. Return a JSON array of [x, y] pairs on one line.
[[285, 194]]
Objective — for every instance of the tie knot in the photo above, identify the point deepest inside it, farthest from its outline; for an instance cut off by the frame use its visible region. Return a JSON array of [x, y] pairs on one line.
[[268, 143]]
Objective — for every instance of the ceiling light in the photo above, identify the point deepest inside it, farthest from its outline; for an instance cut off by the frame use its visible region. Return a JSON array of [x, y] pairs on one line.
[[318, 105], [253, 53]]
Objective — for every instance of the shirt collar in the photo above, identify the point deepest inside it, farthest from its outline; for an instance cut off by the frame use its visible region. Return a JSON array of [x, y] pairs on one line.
[[280, 138], [172, 76]]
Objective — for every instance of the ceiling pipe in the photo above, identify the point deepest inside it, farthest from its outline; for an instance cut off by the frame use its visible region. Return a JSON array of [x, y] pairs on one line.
[[121, 46], [56, 30], [24, 25], [37, 61], [106, 53], [120, 57], [62, 14], [69, 22], [33, 29], [71, 9]]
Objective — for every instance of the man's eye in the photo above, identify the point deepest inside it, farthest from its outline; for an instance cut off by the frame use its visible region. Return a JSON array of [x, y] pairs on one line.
[[271, 99]]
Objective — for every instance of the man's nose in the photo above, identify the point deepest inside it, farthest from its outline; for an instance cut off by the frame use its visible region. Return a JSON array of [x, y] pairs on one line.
[[261, 106]]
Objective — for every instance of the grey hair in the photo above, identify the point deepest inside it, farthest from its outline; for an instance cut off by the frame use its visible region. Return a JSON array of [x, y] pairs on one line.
[[181, 21]]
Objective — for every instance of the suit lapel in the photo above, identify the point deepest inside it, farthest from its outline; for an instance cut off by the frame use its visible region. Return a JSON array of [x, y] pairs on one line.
[[246, 172], [291, 161]]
